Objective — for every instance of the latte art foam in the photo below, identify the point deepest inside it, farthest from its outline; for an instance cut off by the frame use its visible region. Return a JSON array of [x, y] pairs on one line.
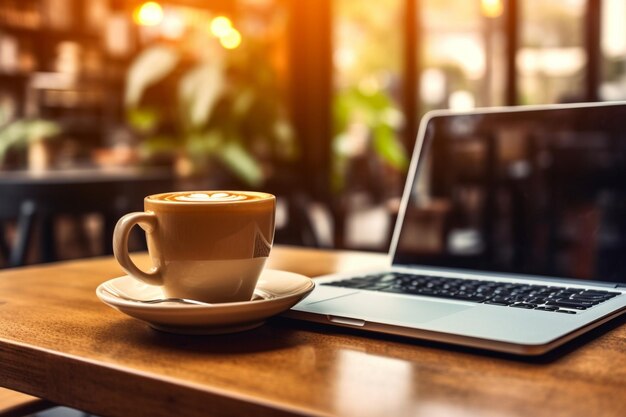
[[201, 197], [207, 197]]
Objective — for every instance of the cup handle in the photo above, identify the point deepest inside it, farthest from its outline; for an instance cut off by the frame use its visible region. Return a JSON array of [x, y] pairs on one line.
[[148, 222]]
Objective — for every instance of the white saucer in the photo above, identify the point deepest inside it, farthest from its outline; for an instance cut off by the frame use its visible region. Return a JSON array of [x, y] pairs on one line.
[[285, 288]]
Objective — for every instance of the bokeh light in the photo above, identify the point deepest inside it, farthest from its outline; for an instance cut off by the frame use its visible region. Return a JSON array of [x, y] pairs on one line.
[[149, 14], [231, 40], [492, 8], [221, 26], [173, 25]]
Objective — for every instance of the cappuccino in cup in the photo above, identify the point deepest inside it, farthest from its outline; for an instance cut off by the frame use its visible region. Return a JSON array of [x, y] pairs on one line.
[[204, 245]]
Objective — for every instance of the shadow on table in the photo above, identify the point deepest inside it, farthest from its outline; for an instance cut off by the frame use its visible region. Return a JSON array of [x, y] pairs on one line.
[[283, 333], [264, 338]]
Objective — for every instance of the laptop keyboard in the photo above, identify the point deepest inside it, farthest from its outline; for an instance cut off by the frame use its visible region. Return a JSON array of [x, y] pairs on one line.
[[536, 297]]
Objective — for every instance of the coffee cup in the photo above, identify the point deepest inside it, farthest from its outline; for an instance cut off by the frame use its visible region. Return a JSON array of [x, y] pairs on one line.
[[204, 245]]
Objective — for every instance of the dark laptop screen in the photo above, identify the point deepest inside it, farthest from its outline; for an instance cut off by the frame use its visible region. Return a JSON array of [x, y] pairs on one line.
[[539, 192]]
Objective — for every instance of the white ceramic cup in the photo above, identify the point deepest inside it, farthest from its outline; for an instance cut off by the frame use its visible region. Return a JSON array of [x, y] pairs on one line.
[[204, 245]]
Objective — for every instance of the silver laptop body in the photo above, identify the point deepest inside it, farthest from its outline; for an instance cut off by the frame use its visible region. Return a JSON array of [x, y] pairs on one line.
[[531, 196]]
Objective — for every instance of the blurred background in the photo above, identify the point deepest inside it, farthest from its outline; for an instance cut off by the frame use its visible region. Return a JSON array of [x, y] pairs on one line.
[[316, 101]]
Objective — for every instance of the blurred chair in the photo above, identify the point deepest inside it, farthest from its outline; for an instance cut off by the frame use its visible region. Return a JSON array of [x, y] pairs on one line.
[[34, 200], [298, 227]]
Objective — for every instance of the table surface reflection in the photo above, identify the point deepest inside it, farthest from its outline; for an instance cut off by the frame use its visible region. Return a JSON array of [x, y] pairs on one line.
[[58, 341]]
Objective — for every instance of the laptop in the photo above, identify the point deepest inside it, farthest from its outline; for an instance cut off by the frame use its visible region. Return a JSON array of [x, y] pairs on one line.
[[510, 236]]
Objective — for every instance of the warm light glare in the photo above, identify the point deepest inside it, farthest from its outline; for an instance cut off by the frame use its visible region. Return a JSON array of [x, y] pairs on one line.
[[231, 40], [149, 14], [491, 8], [221, 26], [173, 26], [461, 100]]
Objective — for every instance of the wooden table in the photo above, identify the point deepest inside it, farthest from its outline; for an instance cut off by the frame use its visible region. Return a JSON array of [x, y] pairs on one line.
[[57, 341]]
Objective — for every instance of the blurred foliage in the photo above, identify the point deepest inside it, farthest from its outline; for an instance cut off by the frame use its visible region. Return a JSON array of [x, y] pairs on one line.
[[368, 60], [19, 133], [362, 32], [226, 109], [375, 110]]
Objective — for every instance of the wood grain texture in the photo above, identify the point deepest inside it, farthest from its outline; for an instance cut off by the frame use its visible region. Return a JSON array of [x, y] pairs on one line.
[[59, 342]]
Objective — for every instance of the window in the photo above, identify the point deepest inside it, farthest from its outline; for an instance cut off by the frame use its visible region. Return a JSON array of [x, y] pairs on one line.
[[462, 45], [551, 59], [613, 48]]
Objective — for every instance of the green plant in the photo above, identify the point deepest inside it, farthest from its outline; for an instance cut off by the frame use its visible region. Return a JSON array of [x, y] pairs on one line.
[[376, 111], [20, 133], [225, 109]]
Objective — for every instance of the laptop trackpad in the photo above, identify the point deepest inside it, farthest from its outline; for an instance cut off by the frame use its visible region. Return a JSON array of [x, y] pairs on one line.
[[383, 308]]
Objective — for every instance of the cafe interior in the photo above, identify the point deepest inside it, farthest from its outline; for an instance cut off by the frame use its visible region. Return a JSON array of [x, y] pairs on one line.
[[317, 102], [104, 102]]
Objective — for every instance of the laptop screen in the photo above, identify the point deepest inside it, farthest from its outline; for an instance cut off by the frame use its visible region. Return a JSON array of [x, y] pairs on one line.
[[523, 191]]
